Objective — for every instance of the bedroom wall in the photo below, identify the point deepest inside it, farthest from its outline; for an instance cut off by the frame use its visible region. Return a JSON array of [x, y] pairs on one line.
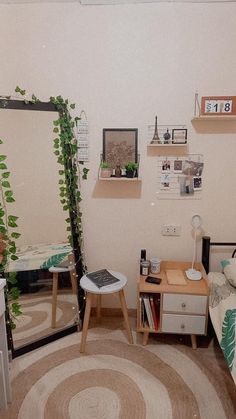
[[123, 65]]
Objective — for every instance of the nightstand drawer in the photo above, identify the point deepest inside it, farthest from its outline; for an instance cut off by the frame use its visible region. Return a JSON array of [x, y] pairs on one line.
[[185, 303], [177, 323]]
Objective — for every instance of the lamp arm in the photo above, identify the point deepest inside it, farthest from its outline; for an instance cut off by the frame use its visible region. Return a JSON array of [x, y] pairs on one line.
[[194, 247]]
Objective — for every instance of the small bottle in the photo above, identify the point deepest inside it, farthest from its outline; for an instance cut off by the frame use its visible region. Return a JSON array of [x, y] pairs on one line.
[[145, 267], [142, 258], [118, 171]]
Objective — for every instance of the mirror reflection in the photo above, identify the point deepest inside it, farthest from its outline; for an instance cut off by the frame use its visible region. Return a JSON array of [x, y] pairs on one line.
[[28, 144]]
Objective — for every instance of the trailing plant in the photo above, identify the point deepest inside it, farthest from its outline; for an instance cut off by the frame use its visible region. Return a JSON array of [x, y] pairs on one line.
[[8, 235], [66, 151]]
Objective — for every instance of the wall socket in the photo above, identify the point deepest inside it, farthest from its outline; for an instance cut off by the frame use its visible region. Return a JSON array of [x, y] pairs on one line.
[[170, 230]]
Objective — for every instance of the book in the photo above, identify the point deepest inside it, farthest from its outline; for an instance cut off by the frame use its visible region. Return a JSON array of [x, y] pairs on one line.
[[154, 312], [175, 277], [148, 311], [102, 278]]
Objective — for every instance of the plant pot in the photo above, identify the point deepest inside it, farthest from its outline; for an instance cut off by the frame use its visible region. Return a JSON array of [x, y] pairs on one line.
[[130, 173], [105, 173]]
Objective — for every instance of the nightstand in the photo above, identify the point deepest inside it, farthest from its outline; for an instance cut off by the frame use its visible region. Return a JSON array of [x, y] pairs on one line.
[[168, 308]]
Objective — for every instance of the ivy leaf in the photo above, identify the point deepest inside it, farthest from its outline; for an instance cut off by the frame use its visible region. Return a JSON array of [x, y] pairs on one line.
[[12, 218], [15, 235], [6, 184], [12, 224], [3, 166], [2, 157], [1, 142], [8, 199], [8, 193], [5, 175], [55, 129], [13, 257], [72, 106]]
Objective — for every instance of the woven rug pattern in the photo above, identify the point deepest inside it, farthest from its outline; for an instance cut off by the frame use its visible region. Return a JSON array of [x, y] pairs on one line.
[[166, 379]]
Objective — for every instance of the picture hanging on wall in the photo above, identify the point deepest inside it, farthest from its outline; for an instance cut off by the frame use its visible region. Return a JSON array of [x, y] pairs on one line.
[[120, 146]]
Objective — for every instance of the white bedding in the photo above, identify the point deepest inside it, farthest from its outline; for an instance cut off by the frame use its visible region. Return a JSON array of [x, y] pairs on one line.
[[222, 308]]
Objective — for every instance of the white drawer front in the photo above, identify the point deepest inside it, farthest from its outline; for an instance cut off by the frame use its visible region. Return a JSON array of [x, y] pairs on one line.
[[177, 323], [185, 303]]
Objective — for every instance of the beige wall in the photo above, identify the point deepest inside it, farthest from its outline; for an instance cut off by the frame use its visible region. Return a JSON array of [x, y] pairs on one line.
[[123, 65]]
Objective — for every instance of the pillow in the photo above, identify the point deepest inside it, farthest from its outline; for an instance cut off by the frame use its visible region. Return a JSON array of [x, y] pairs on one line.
[[229, 269]]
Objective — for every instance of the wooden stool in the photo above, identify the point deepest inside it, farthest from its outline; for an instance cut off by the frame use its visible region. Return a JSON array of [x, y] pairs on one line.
[[90, 288], [56, 270]]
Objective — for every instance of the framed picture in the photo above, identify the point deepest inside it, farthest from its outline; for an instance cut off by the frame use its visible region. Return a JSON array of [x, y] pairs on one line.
[[220, 105], [120, 146], [179, 136]]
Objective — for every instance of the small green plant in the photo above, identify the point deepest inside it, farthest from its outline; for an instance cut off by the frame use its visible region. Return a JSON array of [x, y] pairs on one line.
[[131, 166], [104, 165]]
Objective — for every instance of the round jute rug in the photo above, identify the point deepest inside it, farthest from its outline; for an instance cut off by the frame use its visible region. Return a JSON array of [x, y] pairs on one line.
[[166, 379]]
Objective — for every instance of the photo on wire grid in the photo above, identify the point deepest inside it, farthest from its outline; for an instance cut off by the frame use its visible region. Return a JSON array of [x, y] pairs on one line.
[[165, 166], [178, 166], [186, 185], [192, 168], [197, 183], [165, 181]]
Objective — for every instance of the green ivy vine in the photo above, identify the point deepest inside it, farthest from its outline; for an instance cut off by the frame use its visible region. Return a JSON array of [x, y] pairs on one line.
[[66, 151], [8, 235]]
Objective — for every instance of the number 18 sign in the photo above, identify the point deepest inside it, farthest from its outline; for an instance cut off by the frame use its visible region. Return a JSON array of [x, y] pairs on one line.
[[220, 105]]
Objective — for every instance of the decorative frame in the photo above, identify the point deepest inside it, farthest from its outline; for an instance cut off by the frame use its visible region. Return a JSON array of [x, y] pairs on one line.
[[179, 135], [120, 146]]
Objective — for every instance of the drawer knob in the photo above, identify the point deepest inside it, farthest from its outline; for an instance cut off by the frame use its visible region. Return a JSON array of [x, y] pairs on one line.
[[182, 326], [183, 305]]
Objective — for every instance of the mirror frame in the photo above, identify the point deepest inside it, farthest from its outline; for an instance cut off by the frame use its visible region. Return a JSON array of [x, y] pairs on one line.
[[7, 103]]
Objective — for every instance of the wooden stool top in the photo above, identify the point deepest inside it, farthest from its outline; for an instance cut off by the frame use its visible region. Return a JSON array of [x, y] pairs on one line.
[[89, 286]]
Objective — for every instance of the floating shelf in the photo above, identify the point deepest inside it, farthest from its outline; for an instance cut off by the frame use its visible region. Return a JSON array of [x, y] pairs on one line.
[[120, 179], [214, 118], [167, 145]]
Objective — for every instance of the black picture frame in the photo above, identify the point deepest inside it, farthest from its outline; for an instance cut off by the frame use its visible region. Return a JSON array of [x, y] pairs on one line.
[[120, 146], [179, 135]]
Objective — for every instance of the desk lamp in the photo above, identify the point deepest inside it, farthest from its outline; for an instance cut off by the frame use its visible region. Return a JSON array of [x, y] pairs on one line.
[[192, 273]]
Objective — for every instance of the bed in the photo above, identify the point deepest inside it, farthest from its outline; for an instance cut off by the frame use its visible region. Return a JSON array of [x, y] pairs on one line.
[[222, 301]]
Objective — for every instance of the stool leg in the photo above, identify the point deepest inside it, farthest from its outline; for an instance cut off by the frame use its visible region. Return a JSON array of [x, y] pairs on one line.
[[99, 303], [54, 298], [125, 314], [73, 281], [86, 321]]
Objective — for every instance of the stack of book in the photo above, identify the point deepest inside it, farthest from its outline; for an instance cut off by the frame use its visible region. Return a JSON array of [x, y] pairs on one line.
[[150, 311]]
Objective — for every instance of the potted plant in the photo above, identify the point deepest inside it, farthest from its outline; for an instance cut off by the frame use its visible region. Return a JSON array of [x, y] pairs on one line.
[[131, 169], [105, 170]]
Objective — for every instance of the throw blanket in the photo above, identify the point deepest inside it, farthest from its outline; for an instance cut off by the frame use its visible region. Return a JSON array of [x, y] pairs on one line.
[[40, 256], [223, 316]]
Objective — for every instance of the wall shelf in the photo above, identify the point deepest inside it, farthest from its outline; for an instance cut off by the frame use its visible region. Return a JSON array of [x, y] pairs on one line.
[[120, 179], [214, 118], [167, 145]]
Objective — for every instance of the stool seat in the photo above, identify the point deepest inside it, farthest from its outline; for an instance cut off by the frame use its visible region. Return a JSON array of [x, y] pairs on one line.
[[91, 290], [89, 286], [56, 270]]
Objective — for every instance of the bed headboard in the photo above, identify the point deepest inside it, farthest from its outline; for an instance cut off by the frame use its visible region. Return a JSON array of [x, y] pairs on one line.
[[206, 245]]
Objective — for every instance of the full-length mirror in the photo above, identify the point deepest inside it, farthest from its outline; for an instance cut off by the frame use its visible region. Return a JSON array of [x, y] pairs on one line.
[[28, 144]]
